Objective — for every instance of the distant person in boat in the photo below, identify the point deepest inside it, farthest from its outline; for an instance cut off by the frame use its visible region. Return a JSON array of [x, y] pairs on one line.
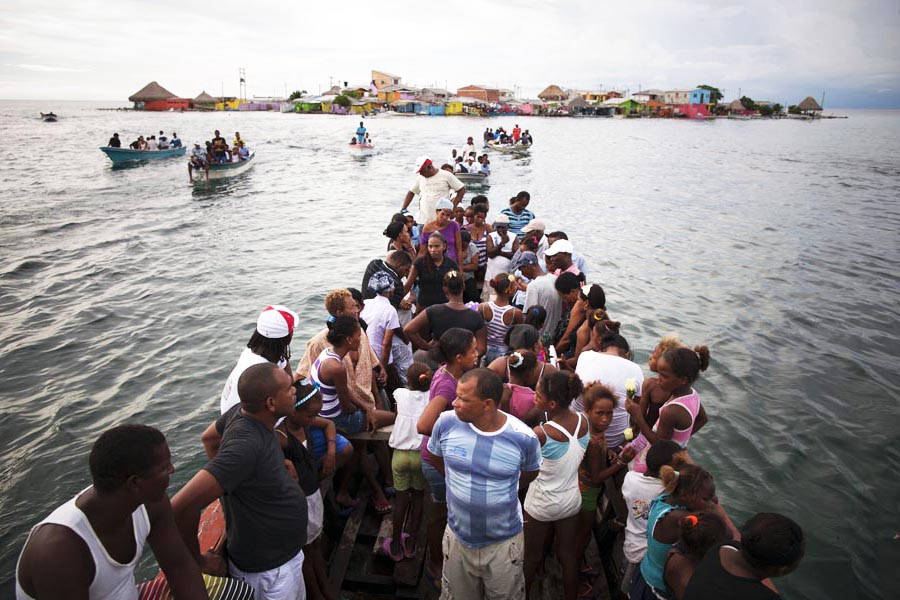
[[199, 160], [220, 148], [472, 166], [516, 133], [485, 165], [270, 342], [453, 156], [469, 147], [431, 185], [163, 141], [88, 547], [114, 141], [136, 144], [243, 152], [361, 133], [527, 140], [152, 144], [488, 135], [368, 140], [353, 141], [176, 141], [265, 509], [238, 140], [486, 455]]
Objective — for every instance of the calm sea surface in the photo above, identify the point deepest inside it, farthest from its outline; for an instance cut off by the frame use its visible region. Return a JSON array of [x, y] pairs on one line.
[[127, 295]]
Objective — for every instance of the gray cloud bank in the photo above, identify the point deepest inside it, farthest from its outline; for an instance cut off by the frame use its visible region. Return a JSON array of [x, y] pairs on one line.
[[106, 50]]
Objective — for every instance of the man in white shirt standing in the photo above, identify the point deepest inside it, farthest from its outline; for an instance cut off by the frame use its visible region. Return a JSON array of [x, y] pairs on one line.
[[468, 148], [432, 184]]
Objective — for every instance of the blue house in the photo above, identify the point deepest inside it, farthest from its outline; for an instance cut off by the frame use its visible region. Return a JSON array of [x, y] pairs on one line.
[[701, 96]]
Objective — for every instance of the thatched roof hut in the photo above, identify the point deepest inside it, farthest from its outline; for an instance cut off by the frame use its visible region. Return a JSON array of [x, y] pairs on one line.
[[205, 98], [150, 92], [553, 93], [578, 102], [809, 104], [736, 106]]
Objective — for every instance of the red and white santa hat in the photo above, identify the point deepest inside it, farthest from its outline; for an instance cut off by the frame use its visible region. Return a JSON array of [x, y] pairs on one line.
[[276, 322]]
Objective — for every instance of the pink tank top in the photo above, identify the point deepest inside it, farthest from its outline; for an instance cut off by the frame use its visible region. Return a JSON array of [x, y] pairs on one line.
[[690, 403], [522, 398]]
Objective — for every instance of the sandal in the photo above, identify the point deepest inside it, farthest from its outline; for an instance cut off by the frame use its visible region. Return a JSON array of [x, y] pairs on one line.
[[386, 547], [382, 508], [586, 593], [434, 581], [404, 544]]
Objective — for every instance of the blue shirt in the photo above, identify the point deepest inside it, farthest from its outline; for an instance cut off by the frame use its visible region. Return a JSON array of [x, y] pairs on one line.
[[483, 476], [518, 222]]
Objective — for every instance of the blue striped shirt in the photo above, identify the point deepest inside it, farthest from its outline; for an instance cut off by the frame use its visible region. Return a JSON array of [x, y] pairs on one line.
[[518, 222], [483, 476]]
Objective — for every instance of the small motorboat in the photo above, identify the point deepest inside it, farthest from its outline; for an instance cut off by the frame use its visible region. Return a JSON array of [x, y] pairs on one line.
[[474, 179], [223, 170], [49, 117], [121, 156], [361, 149], [510, 148]]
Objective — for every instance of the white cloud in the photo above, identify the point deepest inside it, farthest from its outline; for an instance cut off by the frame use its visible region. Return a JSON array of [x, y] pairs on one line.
[[107, 49]]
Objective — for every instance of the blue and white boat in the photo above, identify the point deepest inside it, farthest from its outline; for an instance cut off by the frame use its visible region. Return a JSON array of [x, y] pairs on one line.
[[121, 156], [222, 170]]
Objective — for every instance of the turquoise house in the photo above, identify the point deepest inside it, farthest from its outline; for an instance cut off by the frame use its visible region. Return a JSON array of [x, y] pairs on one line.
[[700, 96]]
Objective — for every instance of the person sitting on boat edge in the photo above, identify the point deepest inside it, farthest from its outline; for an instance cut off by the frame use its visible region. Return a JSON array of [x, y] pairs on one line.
[[199, 160], [152, 144], [65, 556], [114, 141], [176, 141], [163, 141]]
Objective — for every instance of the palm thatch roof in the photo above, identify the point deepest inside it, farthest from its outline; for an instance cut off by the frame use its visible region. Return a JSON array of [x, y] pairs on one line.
[[809, 103], [151, 91], [736, 105], [553, 93], [578, 102], [205, 98]]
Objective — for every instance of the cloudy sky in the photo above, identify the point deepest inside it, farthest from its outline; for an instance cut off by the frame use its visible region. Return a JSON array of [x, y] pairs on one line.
[[766, 49]]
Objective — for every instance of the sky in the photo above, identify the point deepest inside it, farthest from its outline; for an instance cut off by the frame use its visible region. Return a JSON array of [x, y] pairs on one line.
[[848, 50]]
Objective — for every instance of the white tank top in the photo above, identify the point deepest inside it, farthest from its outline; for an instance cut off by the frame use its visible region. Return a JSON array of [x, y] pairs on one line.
[[554, 494], [112, 579]]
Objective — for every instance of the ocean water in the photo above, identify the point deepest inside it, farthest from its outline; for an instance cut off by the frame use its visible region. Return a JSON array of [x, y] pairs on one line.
[[127, 295]]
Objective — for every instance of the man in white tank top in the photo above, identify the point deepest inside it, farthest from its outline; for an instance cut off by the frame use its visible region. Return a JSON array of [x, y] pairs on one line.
[[88, 547]]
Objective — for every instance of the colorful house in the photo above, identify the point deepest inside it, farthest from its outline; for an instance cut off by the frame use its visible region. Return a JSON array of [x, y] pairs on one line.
[[228, 104], [383, 79], [169, 104], [395, 93], [700, 96], [453, 107], [307, 105], [480, 92]]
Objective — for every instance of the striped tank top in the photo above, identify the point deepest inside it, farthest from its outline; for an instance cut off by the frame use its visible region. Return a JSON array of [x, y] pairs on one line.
[[496, 328], [331, 406], [481, 244]]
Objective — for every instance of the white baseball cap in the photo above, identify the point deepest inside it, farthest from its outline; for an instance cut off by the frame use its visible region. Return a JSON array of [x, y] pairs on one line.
[[276, 322], [558, 246]]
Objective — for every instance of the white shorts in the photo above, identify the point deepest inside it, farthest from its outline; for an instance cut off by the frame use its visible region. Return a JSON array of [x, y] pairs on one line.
[[315, 516], [281, 583]]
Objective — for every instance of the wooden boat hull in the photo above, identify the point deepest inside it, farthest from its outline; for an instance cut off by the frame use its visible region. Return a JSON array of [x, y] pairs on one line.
[[361, 149], [48, 118], [120, 156], [474, 179], [223, 170]]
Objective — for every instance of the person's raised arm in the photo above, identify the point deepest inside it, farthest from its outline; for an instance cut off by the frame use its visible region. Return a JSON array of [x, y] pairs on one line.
[[182, 571]]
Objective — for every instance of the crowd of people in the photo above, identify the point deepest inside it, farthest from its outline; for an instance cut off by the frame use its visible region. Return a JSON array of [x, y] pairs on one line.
[[216, 151], [512, 400], [501, 136], [151, 142]]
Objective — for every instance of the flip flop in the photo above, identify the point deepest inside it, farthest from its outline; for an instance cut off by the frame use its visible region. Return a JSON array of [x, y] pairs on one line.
[[588, 593], [404, 544], [382, 508], [386, 548]]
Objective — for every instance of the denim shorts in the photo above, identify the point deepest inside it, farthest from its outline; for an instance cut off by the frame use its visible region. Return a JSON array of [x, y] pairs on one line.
[[319, 445], [436, 483], [351, 422]]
